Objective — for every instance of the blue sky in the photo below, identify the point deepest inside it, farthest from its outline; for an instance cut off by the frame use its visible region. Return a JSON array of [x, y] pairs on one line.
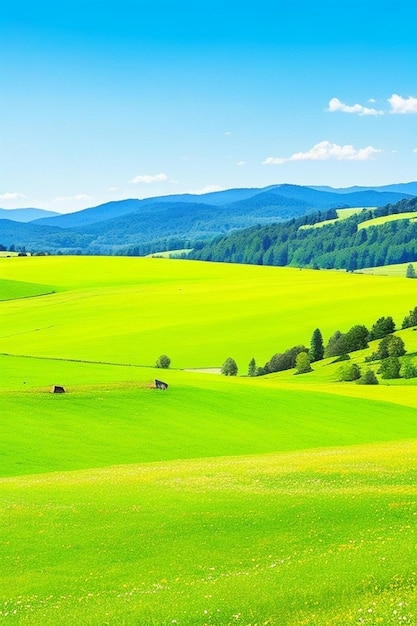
[[107, 100]]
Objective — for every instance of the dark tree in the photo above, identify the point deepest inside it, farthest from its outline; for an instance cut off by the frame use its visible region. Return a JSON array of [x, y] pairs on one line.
[[391, 345], [357, 338], [396, 346], [337, 345], [317, 346], [410, 319], [252, 368], [368, 378], [411, 272], [382, 327], [163, 362], [229, 367], [285, 361], [390, 367]]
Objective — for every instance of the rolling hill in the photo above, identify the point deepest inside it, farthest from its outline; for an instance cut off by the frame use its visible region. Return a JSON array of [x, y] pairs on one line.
[[279, 499], [26, 215], [156, 224]]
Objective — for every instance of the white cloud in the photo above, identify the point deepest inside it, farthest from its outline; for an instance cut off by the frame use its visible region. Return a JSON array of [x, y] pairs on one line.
[[325, 151], [13, 196], [228, 133], [241, 163], [274, 161], [148, 179], [402, 105], [112, 189], [415, 150], [337, 105], [78, 197]]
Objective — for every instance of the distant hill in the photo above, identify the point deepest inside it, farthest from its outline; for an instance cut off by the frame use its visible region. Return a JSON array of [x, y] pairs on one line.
[[401, 188], [25, 215], [163, 223], [289, 200]]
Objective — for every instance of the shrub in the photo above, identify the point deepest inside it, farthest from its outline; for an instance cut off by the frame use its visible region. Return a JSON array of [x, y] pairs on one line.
[[302, 363], [368, 378], [408, 369], [349, 372]]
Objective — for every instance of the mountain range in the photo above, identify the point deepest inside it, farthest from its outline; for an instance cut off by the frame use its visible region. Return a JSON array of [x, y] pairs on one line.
[[161, 223]]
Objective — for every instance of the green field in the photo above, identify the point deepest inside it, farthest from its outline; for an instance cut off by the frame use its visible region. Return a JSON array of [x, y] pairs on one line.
[[378, 221], [283, 500]]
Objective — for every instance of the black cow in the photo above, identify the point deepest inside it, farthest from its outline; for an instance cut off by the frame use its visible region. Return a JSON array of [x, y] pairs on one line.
[[160, 385], [58, 389]]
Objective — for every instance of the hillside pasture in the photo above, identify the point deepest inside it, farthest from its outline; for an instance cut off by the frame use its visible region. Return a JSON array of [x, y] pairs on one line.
[[95, 425], [281, 500], [378, 221], [342, 214], [131, 310], [398, 270]]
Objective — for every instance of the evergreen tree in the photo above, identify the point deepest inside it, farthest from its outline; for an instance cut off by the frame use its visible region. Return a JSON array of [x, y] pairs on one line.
[[317, 346], [252, 368]]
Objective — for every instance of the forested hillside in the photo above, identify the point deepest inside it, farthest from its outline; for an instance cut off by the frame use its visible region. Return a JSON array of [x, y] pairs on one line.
[[341, 245], [138, 227]]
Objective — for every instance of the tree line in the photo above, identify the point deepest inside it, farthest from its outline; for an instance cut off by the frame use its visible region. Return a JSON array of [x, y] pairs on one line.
[[340, 345], [340, 245]]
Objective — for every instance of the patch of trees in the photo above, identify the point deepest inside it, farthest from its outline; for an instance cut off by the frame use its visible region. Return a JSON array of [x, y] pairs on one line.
[[340, 245], [390, 348], [410, 320]]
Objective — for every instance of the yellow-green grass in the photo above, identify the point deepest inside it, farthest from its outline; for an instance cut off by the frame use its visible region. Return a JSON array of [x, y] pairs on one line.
[[12, 289], [317, 538], [95, 424], [131, 310], [342, 214], [378, 221], [220, 501]]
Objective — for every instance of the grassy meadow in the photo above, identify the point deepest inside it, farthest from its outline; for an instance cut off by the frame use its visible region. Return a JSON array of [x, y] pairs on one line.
[[281, 500]]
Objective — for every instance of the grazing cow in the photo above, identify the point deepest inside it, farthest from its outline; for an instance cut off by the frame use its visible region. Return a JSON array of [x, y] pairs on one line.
[[159, 384], [58, 389]]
